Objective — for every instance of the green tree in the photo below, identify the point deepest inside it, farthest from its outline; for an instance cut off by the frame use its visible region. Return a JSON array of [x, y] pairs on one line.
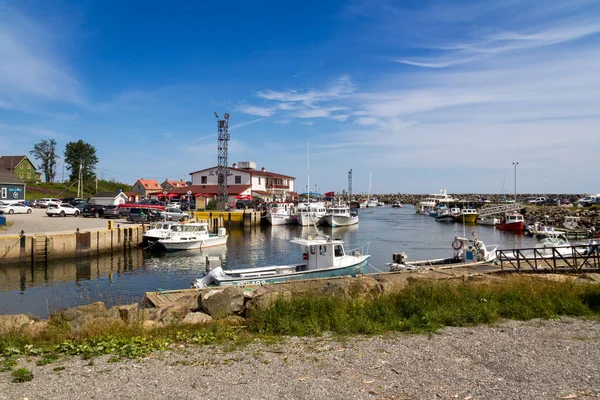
[[45, 151], [81, 155]]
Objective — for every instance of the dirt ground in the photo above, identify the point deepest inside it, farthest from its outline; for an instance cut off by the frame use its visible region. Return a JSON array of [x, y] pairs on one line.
[[556, 359]]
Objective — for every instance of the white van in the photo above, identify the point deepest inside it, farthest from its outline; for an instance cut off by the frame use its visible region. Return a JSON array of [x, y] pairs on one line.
[[590, 200]]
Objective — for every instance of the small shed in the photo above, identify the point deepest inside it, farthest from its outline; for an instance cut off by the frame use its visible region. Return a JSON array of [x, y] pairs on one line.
[[109, 198], [11, 187]]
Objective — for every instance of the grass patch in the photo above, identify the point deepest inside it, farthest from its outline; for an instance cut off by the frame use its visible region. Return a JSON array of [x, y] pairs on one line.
[[427, 307], [22, 375], [8, 364]]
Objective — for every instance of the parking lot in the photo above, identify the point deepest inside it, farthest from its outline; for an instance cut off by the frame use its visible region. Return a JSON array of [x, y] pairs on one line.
[[39, 222]]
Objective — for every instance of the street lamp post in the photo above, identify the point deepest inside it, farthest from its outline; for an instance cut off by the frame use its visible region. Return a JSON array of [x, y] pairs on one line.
[[515, 164]]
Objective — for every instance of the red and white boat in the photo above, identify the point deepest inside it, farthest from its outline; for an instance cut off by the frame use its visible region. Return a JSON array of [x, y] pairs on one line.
[[512, 222]]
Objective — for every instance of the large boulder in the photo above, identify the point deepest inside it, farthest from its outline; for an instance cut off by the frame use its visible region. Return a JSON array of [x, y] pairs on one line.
[[172, 313], [130, 313], [266, 300], [223, 302], [36, 328], [353, 288], [15, 322], [87, 316], [197, 318]]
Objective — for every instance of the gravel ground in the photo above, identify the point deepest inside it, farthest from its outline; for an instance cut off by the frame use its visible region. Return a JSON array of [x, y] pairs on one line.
[[513, 360], [39, 222]]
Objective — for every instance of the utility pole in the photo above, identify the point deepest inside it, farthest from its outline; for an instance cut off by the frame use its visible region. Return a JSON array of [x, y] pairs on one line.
[[96, 179], [515, 164], [350, 185]]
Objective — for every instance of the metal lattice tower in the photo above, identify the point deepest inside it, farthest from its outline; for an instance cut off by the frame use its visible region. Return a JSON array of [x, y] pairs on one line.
[[350, 185], [223, 142]]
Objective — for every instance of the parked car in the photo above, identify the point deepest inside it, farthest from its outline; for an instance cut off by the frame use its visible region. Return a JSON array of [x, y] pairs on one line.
[[550, 202], [173, 214], [137, 215], [93, 210], [61, 209], [112, 211], [47, 201], [590, 200], [14, 208], [535, 200]]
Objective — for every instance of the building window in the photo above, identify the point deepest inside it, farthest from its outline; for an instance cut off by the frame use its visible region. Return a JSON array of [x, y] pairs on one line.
[[21, 175], [22, 167], [28, 166], [259, 180], [203, 180], [238, 179], [28, 176]]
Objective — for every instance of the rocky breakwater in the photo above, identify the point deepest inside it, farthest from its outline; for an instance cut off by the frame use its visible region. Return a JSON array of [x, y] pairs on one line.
[[589, 218], [232, 304]]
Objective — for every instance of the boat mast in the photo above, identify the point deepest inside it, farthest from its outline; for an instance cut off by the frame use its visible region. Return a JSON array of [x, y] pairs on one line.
[[308, 171]]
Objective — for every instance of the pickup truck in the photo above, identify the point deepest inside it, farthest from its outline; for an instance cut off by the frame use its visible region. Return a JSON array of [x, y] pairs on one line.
[[173, 214], [535, 200]]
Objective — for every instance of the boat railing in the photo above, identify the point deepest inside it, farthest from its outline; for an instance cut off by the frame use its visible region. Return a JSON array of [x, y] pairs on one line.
[[572, 258]]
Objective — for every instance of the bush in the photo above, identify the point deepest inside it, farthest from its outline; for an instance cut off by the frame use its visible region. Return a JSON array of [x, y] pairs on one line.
[[212, 205], [22, 375]]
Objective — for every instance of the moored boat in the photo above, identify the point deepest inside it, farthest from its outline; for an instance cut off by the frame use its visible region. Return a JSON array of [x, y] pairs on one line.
[[468, 215], [512, 222], [465, 252], [310, 213], [445, 215], [491, 221], [324, 258], [192, 236], [340, 215], [282, 214], [157, 231], [397, 204], [433, 200]]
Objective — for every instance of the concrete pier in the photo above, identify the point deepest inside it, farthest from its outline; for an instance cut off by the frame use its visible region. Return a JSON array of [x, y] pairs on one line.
[[43, 247], [231, 218]]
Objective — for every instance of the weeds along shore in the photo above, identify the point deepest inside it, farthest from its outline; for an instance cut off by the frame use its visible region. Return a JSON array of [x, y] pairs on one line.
[[421, 307]]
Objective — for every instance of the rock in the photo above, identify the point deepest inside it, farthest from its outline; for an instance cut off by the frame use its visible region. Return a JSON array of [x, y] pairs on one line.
[[233, 320], [149, 324], [191, 300], [15, 322], [197, 318], [70, 314], [353, 288], [392, 283], [36, 328], [223, 302], [266, 300], [173, 313], [130, 313]]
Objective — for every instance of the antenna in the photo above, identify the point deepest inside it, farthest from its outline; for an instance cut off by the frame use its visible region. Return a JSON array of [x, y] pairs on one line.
[[222, 172]]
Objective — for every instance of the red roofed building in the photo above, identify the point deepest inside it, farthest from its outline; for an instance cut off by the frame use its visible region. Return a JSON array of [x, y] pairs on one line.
[[172, 184], [245, 180], [146, 187]]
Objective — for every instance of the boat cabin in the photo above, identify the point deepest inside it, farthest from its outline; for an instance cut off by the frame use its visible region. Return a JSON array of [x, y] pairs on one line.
[[282, 208], [190, 228], [322, 252], [514, 218]]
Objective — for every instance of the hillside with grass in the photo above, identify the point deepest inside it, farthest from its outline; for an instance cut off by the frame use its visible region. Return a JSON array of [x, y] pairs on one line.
[[55, 189]]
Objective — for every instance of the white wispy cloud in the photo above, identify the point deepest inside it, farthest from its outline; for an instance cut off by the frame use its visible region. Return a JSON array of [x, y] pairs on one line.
[[31, 70], [256, 110], [318, 112]]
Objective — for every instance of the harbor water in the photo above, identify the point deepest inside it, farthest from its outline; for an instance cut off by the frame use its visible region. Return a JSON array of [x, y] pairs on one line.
[[123, 277]]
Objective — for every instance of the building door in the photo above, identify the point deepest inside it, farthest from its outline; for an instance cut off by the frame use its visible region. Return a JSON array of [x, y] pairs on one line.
[[3, 194]]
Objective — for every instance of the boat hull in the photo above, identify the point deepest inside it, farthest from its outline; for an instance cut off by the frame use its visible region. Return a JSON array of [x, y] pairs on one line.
[[282, 219], [179, 245], [467, 218], [340, 220], [308, 219], [513, 226], [349, 270], [445, 218], [488, 221]]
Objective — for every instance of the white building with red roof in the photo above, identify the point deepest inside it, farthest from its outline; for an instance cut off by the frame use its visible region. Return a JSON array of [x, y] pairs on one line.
[[244, 179]]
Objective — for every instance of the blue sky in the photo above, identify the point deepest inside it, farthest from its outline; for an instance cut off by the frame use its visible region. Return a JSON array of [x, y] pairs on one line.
[[424, 94]]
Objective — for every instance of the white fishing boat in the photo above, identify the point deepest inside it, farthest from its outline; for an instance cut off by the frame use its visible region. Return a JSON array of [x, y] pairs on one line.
[[490, 221], [310, 213], [192, 236], [282, 214], [445, 215], [397, 204], [340, 215], [157, 231], [571, 223], [324, 258], [433, 201], [466, 252]]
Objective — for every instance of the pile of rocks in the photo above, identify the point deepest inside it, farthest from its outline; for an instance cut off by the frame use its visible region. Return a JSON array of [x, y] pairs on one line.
[[232, 303], [555, 216]]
